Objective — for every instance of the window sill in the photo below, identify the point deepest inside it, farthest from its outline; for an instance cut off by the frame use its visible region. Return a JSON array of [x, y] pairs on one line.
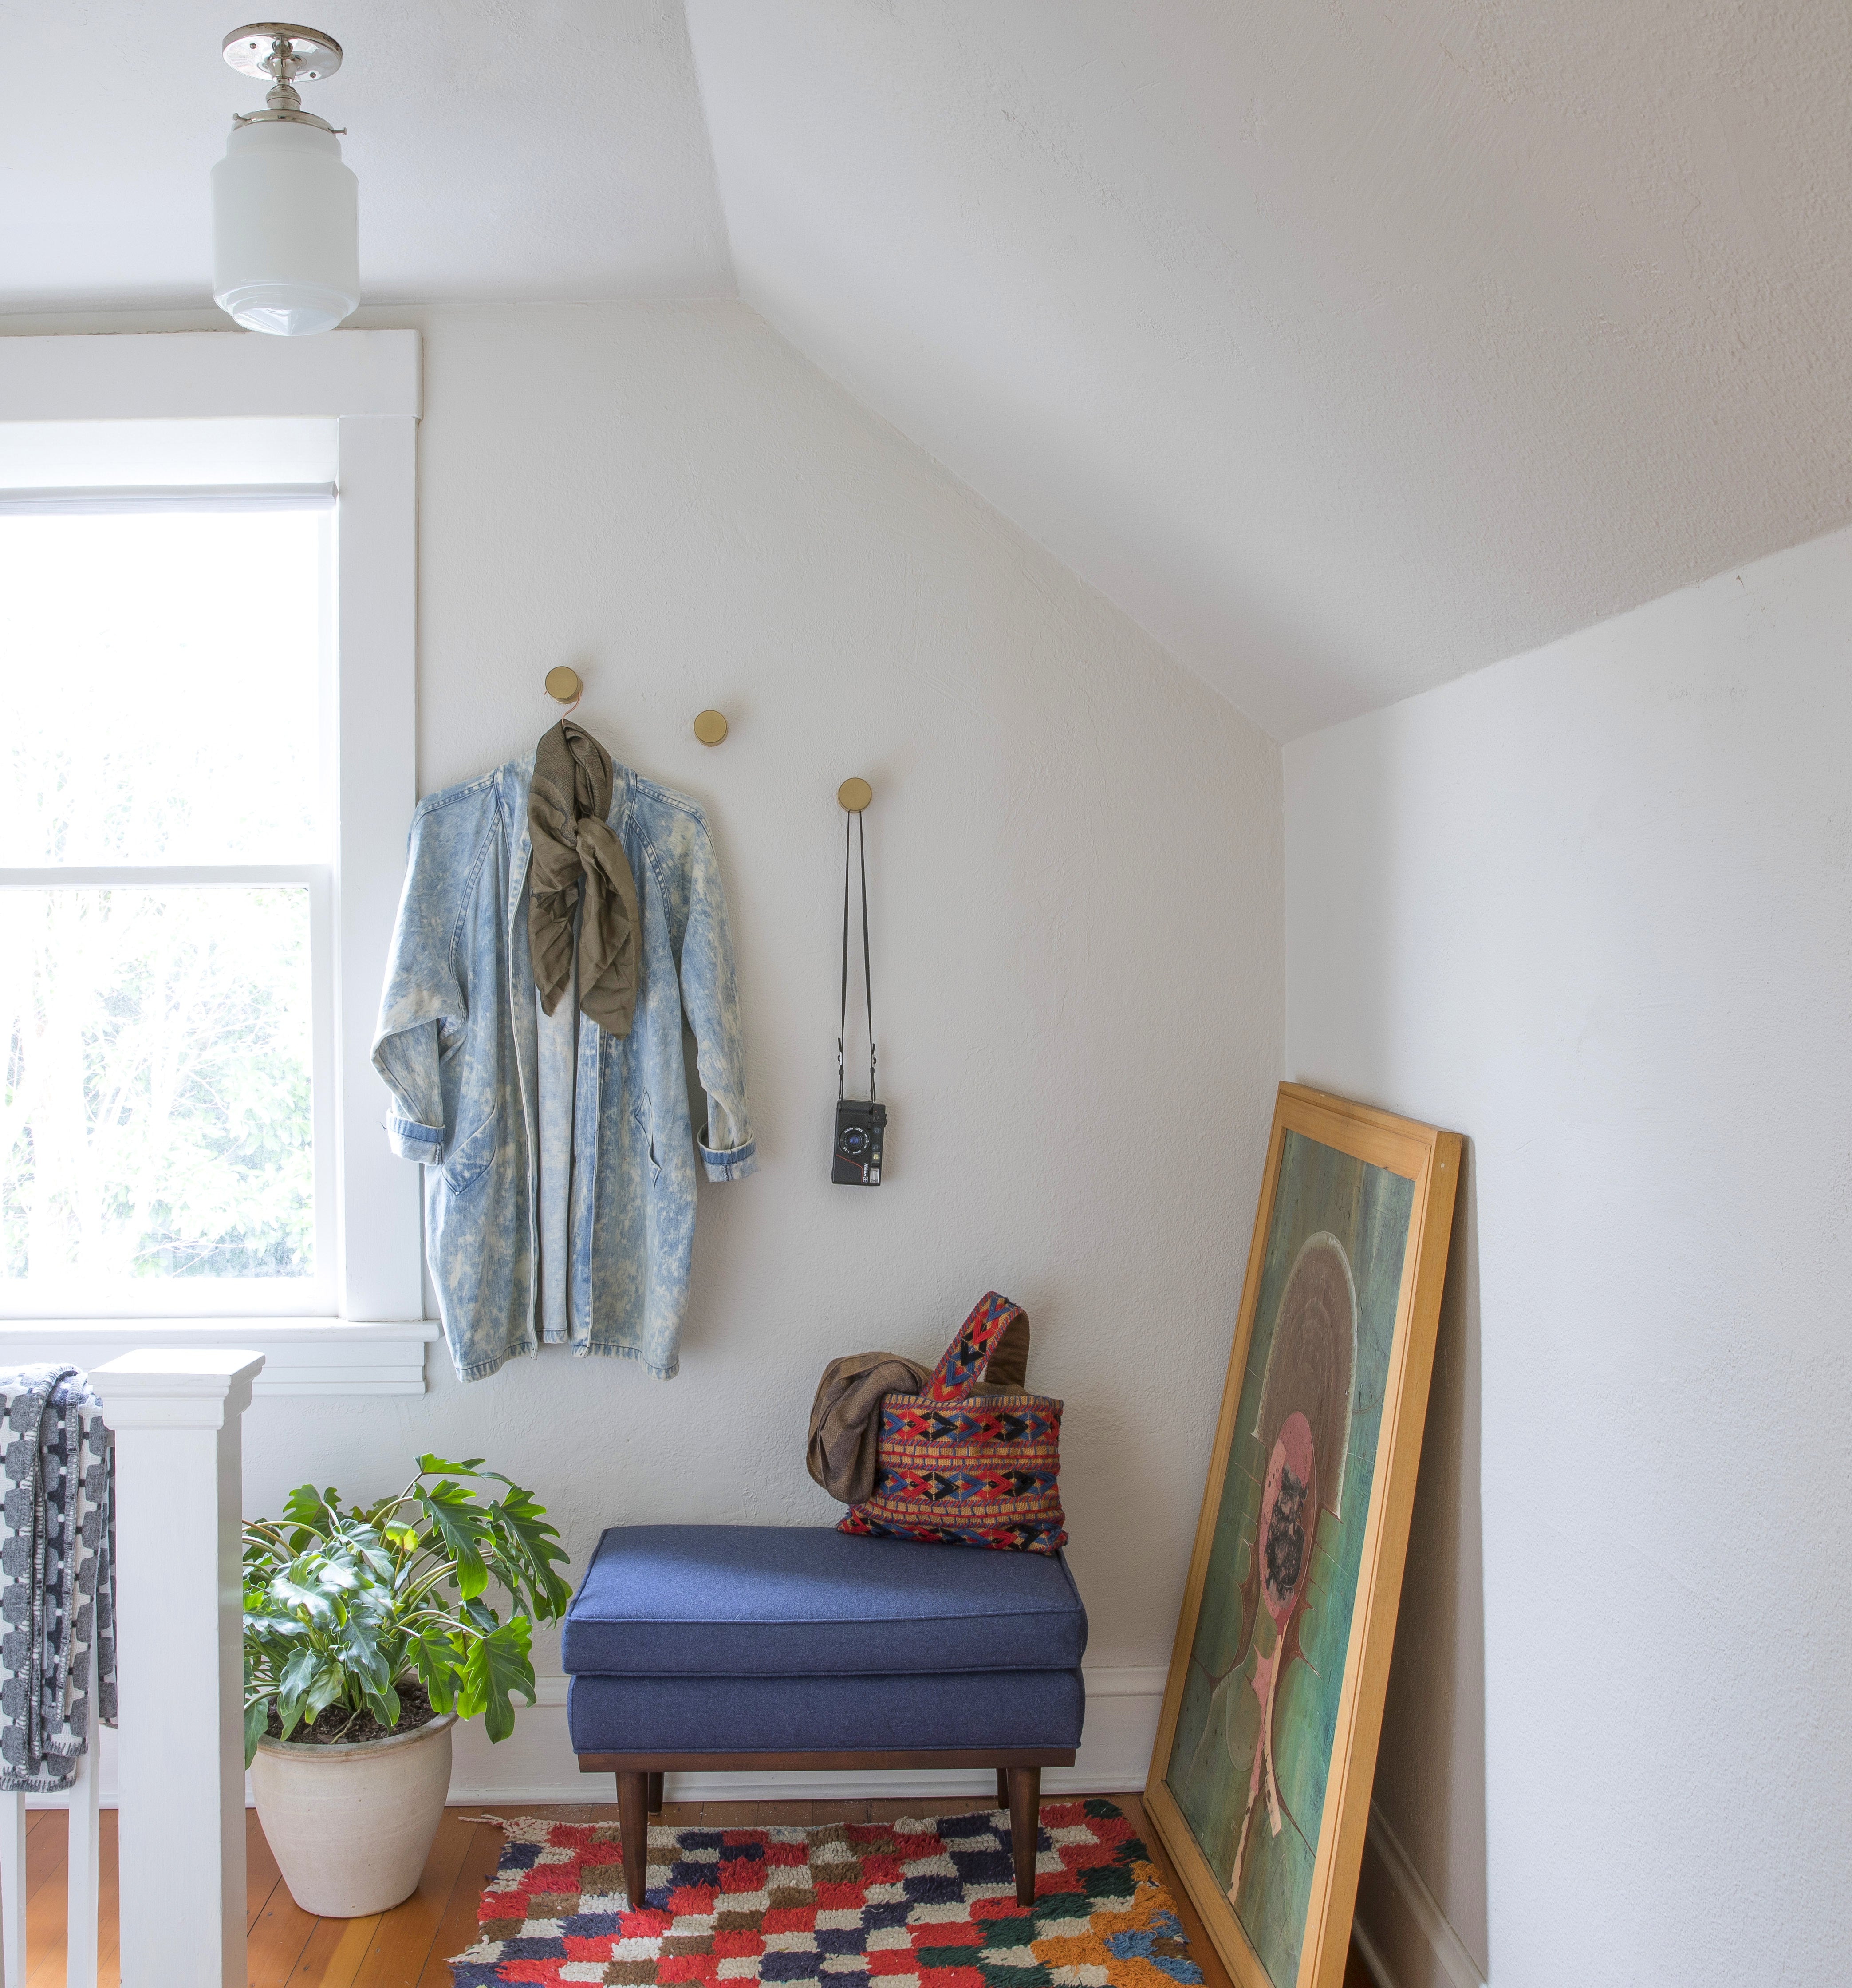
[[302, 1356]]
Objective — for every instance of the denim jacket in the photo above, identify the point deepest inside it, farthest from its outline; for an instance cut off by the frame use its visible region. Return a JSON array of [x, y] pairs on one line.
[[559, 1188]]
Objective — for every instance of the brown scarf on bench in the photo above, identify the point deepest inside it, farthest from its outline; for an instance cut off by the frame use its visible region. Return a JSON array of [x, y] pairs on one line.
[[567, 806]]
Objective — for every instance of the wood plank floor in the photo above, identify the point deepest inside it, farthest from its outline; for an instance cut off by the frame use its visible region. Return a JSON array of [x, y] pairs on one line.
[[409, 1946]]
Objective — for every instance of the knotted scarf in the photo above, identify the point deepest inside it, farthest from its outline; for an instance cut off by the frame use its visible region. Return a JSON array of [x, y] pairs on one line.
[[567, 808]]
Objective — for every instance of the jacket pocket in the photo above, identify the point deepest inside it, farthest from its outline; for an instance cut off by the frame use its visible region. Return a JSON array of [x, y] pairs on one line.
[[471, 1160], [642, 1114]]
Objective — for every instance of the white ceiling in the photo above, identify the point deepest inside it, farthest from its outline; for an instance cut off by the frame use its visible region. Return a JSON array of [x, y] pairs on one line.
[[505, 148], [1347, 346]]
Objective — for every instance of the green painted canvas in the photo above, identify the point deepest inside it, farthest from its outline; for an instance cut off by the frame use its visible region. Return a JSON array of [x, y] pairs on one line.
[[1253, 1751]]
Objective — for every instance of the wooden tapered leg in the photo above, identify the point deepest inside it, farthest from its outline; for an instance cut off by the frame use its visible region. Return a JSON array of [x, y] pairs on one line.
[[633, 1831], [1025, 1812], [1002, 1787], [655, 1794]]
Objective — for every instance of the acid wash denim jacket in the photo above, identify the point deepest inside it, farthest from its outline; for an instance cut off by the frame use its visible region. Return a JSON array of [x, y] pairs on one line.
[[559, 1189]]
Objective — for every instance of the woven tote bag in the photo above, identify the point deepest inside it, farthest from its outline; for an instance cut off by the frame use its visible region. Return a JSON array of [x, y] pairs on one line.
[[973, 1459]]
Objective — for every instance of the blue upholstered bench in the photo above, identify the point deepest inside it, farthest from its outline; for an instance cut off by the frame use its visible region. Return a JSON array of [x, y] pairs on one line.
[[696, 1647]]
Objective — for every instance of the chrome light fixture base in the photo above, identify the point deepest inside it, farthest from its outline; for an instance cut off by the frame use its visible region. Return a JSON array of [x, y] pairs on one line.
[[281, 51]]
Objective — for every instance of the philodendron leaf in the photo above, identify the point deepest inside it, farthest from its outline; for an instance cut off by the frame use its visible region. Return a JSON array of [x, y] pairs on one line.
[[535, 1546], [454, 1520], [293, 1594], [257, 1721], [437, 1658], [293, 1686], [431, 1466], [498, 1665], [330, 1683]]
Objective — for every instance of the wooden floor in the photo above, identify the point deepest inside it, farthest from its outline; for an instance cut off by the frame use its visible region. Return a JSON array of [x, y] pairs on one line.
[[409, 1946]]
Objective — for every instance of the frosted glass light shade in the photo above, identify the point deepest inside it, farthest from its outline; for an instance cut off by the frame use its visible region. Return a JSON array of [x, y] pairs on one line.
[[286, 229]]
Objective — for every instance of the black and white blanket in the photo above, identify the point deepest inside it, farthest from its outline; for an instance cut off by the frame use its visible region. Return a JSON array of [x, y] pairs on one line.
[[57, 1573]]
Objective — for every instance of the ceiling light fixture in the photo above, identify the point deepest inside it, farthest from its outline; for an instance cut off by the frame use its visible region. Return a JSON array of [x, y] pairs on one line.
[[285, 210]]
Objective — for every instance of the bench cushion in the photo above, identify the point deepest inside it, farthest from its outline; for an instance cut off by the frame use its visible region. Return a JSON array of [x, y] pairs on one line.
[[999, 1709], [752, 1601]]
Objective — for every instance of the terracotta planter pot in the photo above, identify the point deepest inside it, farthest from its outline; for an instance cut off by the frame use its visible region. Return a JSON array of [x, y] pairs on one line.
[[350, 1826]]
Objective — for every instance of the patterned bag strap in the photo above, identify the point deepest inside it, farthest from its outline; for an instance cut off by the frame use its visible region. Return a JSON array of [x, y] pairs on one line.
[[992, 1344]]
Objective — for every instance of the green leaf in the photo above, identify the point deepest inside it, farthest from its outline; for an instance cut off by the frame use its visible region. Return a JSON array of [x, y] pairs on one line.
[[479, 1615], [455, 1521], [292, 1687], [431, 1466], [257, 1722], [330, 1683], [293, 1594], [305, 1506], [497, 1666], [437, 1658]]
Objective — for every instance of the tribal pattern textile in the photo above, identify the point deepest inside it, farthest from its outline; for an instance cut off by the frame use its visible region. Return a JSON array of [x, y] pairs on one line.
[[983, 1475], [965, 1462], [57, 1574], [982, 1344], [929, 1903]]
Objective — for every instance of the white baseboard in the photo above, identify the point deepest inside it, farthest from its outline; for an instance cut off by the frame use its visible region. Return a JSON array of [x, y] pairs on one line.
[[536, 1764], [1390, 1884]]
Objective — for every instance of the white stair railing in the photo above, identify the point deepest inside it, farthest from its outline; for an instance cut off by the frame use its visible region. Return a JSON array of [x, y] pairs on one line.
[[179, 1757]]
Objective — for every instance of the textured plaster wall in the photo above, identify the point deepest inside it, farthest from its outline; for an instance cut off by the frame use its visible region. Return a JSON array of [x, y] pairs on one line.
[[1077, 911], [1590, 907]]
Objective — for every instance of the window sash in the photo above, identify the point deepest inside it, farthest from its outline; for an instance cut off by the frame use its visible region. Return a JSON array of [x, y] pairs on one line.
[[205, 1297], [74, 503]]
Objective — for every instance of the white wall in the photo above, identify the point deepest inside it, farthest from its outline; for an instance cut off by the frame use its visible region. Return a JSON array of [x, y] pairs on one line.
[[1591, 907], [1076, 906]]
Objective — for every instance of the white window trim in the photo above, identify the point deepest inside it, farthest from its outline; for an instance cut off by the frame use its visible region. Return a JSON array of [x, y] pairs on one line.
[[369, 383]]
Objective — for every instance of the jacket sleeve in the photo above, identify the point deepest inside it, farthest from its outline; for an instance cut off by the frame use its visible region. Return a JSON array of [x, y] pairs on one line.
[[423, 1008], [709, 1000]]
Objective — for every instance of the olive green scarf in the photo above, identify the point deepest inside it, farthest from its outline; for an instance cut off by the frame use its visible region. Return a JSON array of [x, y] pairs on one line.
[[567, 807]]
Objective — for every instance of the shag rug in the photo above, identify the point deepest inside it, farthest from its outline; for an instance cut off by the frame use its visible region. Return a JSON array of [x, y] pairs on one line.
[[929, 1903]]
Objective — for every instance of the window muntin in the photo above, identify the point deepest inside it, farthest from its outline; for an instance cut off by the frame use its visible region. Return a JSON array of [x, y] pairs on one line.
[[165, 881]]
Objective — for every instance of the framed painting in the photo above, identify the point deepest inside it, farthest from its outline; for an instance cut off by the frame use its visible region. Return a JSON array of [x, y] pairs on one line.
[[1260, 1785]]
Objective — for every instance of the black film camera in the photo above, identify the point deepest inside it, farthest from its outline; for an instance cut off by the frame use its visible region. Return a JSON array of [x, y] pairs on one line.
[[860, 1127]]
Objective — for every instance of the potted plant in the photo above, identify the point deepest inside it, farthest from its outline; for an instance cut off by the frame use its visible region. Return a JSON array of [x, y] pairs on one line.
[[367, 1638]]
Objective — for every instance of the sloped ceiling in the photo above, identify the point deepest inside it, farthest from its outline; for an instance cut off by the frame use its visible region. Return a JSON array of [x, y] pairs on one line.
[[1347, 346]]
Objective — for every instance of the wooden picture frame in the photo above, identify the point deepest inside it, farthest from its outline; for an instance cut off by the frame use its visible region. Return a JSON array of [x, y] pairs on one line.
[[1274, 1703]]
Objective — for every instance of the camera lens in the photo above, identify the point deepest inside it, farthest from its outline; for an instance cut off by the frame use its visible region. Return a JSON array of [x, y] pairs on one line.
[[854, 1141]]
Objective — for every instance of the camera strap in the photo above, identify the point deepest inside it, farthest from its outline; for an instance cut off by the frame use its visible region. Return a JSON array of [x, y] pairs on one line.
[[852, 823]]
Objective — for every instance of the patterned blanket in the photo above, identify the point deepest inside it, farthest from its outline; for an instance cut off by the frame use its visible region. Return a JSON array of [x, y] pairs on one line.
[[57, 1573]]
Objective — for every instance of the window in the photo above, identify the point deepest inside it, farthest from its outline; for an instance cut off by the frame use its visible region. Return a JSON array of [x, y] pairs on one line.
[[208, 629], [166, 997]]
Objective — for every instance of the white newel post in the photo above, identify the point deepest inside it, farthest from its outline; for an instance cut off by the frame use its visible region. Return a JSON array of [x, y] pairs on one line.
[[180, 1663]]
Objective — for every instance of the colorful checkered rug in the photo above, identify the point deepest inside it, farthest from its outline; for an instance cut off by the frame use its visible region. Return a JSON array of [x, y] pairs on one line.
[[929, 1903]]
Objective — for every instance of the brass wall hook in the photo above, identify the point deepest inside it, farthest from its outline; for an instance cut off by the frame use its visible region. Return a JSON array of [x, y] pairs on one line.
[[854, 795], [710, 727]]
